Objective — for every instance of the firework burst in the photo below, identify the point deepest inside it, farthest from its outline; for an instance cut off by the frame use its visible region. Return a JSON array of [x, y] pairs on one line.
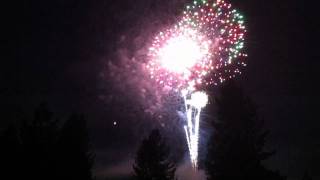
[[205, 47]]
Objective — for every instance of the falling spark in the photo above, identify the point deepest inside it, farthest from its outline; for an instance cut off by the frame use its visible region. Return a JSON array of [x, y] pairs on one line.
[[193, 106]]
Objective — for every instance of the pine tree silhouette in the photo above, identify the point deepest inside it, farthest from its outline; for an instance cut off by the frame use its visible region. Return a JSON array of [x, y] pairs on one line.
[[38, 138], [10, 153], [306, 176], [236, 148], [75, 157], [152, 161], [40, 149]]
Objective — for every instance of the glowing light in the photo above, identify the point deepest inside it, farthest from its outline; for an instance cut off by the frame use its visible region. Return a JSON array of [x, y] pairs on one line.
[[206, 46], [181, 53], [199, 99]]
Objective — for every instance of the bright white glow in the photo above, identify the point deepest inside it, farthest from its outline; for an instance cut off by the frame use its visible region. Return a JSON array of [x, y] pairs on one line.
[[193, 106], [181, 53], [199, 99]]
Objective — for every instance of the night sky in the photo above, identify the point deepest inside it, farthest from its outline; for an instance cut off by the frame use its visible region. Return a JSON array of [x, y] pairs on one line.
[[79, 56]]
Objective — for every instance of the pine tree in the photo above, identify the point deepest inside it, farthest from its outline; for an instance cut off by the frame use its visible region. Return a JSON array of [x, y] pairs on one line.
[[10, 153], [236, 148], [75, 156], [306, 176], [41, 149], [152, 161], [38, 138]]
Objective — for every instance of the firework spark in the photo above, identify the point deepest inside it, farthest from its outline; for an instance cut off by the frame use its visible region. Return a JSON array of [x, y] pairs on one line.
[[205, 47]]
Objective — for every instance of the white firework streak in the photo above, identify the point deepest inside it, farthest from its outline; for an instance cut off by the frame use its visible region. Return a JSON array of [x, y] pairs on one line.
[[194, 102]]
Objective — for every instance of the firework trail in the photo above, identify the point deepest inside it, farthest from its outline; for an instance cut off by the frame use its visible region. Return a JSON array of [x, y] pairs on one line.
[[193, 106], [204, 47]]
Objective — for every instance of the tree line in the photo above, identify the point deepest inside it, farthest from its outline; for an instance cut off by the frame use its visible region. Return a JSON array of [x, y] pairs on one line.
[[45, 147]]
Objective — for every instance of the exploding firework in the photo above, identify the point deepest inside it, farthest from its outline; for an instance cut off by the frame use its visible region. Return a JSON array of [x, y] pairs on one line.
[[205, 47], [177, 56]]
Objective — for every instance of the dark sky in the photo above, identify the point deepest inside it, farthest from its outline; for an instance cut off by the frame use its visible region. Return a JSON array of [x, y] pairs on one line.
[[74, 54]]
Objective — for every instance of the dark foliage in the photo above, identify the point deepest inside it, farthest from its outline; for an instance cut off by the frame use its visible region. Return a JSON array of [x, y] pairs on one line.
[[41, 149], [152, 161], [9, 153], [38, 145], [306, 176], [74, 149], [236, 148]]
